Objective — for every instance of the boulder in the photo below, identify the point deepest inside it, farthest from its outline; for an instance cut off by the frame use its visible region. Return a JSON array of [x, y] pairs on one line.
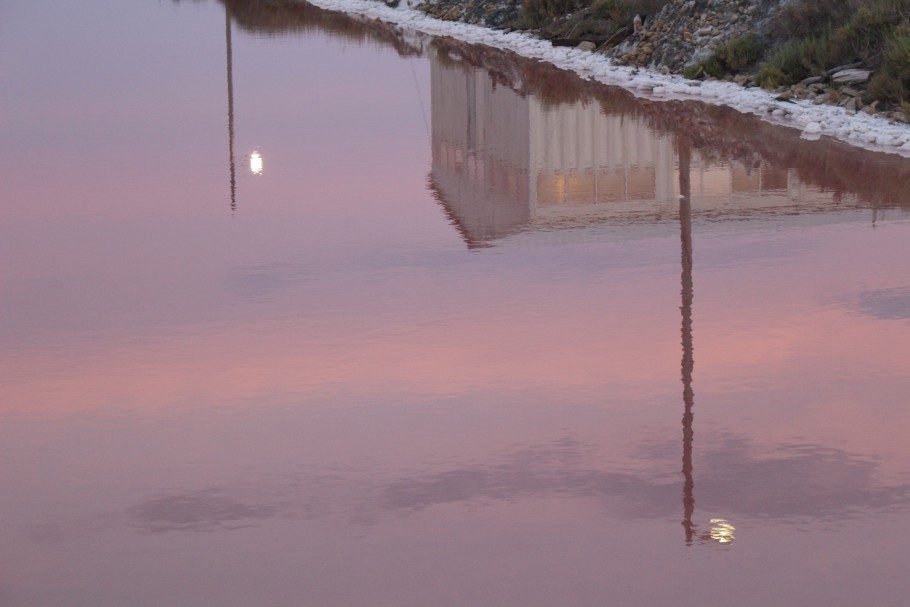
[[811, 80], [852, 76], [841, 68], [586, 45]]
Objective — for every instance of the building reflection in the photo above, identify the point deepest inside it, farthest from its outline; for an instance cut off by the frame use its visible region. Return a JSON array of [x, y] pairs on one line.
[[506, 159], [503, 161]]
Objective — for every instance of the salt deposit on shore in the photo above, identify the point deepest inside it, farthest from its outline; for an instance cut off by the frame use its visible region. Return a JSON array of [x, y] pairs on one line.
[[815, 120]]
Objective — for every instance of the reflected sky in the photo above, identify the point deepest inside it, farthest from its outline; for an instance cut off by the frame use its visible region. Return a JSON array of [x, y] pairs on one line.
[[423, 323]]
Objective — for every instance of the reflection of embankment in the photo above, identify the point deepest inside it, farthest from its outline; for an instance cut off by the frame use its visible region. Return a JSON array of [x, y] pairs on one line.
[[717, 133], [509, 152], [276, 17]]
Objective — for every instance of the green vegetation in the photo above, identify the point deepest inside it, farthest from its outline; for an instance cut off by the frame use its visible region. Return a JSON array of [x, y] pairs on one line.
[[794, 61], [740, 53], [576, 19], [538, 13], [735, 56], [892, 82], [818, 35]]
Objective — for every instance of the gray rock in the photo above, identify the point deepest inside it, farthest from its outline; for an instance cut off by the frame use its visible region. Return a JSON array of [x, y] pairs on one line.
[[850, 91], [586, 46], [811, 80], [841, 68], [851, 76]]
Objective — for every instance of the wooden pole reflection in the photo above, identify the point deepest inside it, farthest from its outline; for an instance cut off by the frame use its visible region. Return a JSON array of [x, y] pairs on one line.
[[684, 152], [230, 91]]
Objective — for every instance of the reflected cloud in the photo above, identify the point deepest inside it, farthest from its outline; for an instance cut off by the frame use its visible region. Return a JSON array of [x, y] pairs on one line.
[[794, 482], [205, 510], [792, 485], [259, 281], [885, 304]]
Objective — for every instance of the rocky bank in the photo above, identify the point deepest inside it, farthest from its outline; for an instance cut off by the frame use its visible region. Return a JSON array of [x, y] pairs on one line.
[[680, 37]]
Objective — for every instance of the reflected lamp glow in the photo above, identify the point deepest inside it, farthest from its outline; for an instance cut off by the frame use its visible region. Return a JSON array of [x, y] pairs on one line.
[[256, 163], [722, 531]]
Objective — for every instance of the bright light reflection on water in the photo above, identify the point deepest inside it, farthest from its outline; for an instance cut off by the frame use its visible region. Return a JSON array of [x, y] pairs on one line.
[[256, 163], [722, 531]]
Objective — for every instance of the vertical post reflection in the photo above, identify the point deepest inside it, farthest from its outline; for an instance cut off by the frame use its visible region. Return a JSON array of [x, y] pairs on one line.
[[688, 362], [230, 91]]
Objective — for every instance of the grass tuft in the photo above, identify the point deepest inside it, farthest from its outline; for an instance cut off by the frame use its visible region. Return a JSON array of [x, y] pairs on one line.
[[819, 35], [611, 15], [892, 82], [734, 56]]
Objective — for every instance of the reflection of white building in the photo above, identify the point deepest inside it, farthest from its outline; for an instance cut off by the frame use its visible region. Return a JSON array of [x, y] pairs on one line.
[[502, 161]]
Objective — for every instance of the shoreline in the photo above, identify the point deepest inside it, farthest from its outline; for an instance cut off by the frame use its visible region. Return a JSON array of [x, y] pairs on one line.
[[813, 120]]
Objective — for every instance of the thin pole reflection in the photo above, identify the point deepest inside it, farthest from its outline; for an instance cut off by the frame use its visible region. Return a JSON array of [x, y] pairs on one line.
[[688, 361], [230, 91]]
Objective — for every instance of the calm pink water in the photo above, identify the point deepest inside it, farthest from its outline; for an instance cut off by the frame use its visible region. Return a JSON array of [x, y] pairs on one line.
[[457, 343]]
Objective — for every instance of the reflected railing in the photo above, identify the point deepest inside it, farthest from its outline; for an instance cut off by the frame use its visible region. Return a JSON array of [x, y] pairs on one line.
[[230, 94], [283, 17]]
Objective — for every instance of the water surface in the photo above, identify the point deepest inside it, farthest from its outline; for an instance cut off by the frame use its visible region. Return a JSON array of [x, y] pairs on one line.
[[299, 309]]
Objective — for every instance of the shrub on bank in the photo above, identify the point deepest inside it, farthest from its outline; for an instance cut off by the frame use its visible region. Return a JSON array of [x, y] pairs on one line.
[[740, 53], [818, 35], [794, 61], [576, 18], [734, 56], [892, 82], [538, 13]]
